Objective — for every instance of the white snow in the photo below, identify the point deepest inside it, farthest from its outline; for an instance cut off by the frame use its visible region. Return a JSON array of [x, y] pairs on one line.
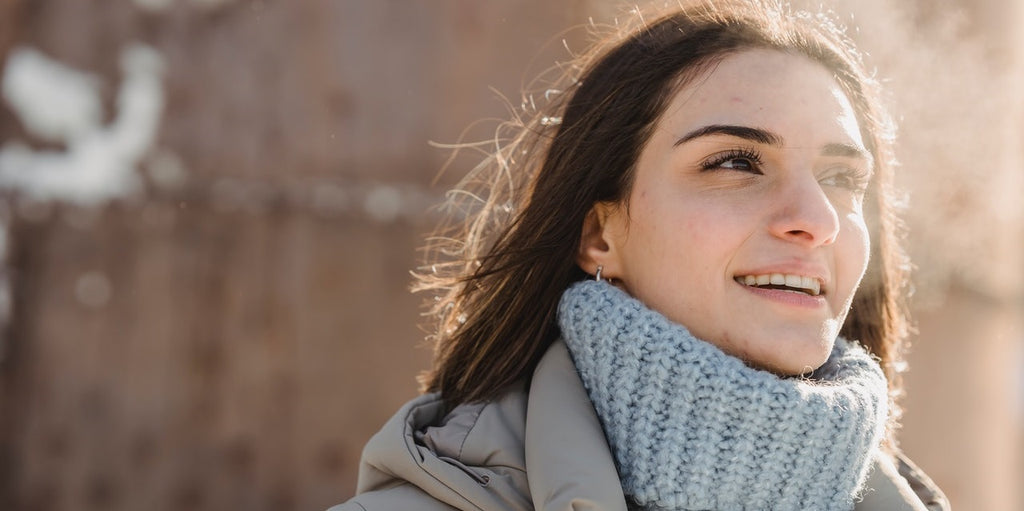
[[99, 163], [53, 101]]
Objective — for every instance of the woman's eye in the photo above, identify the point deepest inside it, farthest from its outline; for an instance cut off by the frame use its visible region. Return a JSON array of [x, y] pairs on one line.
[[853, 180], [738, 164], [740, 159], [838, 181]]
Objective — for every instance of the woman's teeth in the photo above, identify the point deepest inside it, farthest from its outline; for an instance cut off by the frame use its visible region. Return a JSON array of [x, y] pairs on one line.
[[796, 283]]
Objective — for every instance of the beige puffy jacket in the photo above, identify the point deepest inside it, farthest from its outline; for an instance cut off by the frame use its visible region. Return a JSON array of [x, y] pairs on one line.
[[478, 456]]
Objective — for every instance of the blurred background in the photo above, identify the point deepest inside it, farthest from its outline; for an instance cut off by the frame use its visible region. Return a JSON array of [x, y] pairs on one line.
[[209, 209]]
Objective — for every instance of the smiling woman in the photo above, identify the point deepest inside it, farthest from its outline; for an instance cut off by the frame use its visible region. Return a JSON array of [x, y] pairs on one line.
[[680, 288], [755, 189]]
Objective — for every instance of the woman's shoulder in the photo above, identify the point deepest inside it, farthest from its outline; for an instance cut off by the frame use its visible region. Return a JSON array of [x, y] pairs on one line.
[[424, 458], [476, 456], [921, 484], [896, 483]]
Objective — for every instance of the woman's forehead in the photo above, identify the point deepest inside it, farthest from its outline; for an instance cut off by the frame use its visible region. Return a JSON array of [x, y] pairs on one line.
[[787, 94]]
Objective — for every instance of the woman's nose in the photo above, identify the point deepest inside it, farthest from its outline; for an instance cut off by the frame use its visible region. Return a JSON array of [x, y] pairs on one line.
[[804, 214]]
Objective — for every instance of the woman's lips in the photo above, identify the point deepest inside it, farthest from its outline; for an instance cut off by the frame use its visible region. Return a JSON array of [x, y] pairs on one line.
[[783, 282], [789, 296]]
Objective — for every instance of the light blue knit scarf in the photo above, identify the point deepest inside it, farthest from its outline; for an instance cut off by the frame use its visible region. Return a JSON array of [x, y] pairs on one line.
[[694, 428]]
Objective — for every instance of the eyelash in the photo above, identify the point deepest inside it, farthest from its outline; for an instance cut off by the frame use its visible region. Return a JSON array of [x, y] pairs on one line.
[[716, 161], [858, 179]]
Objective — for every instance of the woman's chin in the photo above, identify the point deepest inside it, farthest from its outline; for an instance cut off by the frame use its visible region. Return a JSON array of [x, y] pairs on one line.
[[802, 358]]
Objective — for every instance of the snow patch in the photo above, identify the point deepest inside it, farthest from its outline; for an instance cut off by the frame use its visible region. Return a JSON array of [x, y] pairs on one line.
[[53, 101], [99, 163]]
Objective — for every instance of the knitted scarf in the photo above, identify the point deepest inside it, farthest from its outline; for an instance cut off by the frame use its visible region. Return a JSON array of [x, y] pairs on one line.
[[691, 427]]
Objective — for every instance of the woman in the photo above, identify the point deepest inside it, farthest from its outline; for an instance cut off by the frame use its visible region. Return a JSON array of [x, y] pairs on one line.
[[680, 289]]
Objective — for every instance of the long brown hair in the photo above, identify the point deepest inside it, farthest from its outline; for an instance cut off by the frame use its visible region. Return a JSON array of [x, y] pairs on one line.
[[500, 263]]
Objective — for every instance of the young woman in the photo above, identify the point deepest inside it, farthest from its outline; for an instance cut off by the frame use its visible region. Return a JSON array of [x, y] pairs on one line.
[[680, 288]]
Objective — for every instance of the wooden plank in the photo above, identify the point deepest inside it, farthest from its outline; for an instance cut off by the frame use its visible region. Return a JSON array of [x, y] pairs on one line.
[[241, 360]]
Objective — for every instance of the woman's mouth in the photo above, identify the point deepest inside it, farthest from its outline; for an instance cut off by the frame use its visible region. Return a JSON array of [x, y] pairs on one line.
[[783, 282]]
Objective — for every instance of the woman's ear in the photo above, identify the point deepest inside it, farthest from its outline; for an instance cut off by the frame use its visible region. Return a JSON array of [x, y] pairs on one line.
[[597, 241]]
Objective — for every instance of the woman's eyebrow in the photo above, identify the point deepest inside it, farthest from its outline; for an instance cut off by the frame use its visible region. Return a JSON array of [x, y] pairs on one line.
[[847, 150], [759, 135], [763, 136]]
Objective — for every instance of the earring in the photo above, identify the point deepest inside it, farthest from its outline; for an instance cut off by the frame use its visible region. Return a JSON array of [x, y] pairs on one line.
[[598, 276]]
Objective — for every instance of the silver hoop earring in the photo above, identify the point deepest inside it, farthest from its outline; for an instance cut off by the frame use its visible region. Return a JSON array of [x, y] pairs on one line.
[[598, 276]]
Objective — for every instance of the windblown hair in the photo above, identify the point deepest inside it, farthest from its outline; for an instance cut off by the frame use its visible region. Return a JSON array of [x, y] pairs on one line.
[[507, 250]]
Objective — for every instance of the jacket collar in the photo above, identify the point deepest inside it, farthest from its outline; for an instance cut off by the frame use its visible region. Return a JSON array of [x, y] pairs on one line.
[[567, 455]]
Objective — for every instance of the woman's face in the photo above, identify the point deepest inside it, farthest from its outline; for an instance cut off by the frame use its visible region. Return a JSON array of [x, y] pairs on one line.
[[744, 222]]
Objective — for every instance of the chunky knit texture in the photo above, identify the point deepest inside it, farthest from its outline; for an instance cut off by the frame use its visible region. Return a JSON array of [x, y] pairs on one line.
[[694, 428]]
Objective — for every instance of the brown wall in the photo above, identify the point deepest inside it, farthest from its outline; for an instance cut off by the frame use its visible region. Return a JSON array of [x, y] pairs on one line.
[[231, 335]]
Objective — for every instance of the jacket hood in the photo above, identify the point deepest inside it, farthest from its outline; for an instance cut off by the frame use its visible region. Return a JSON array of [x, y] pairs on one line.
[[478, 455], [447, 457]]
